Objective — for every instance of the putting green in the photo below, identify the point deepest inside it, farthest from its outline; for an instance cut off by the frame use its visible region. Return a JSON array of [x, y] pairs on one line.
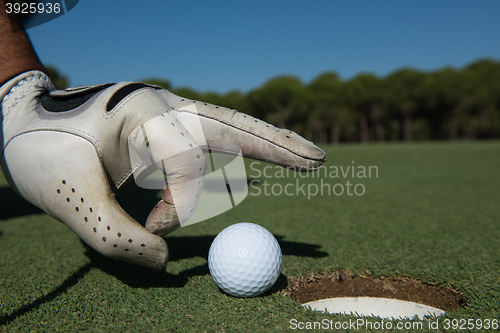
[[429, 213]]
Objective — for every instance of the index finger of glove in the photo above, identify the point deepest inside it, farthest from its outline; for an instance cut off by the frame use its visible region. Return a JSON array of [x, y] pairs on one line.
[[256, 138]]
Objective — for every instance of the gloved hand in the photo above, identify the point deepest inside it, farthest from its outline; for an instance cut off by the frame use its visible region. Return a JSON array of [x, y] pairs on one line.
[[69, 151]]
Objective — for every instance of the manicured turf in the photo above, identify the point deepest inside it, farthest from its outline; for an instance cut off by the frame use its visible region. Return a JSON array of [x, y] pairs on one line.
[[431, 214]]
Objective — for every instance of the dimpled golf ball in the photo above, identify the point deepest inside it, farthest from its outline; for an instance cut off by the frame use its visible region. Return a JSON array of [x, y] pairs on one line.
[[245, 260]]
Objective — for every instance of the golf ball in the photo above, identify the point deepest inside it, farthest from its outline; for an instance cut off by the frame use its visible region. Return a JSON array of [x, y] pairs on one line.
[[245, 260]]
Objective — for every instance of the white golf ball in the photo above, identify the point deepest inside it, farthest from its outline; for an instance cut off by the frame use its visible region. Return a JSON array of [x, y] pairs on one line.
[[245, 260]]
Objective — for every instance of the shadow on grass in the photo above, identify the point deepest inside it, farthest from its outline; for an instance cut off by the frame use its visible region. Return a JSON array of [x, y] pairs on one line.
[[180, 248], [13, 205], [141, 277], [197, 246], [279, 285], [138, 203], [68, 283], [130, 274]]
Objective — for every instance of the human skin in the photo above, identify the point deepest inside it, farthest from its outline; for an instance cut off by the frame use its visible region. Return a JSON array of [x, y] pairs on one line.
[[16, 52]]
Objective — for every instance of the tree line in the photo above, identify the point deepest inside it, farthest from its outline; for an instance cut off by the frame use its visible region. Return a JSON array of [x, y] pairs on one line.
[[408, 104]]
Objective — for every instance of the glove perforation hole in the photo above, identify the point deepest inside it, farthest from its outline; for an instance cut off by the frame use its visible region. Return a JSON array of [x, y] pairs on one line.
[[108, 227], [191, 145], [119, 234], [182, 134], [126, 250], [77, 209], [64, 182], [68, 200], [172, 124], [73, 190], [95, 230], [90, 209], [104, 239], [115, 246], [58, 191], [140, 253], [99, 219], [198, 156], [82, 200], [86, 219], [130, 241], [143, 245]]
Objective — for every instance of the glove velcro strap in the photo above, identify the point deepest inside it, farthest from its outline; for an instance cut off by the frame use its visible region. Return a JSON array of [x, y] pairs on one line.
[[124, 91], [65, 100]]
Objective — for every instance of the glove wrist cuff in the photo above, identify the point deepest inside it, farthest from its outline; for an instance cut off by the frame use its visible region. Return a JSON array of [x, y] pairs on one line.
[[22, 85]]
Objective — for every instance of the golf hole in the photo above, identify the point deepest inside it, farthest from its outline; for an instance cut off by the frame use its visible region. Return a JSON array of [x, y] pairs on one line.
[[364, 295]]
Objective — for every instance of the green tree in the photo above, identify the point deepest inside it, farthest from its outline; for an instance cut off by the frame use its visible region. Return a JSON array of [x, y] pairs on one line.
[[187, 93], [447, 103], [281, 101], [61, 81], [364, 95], [484, 95], [404, 92], [158, 82], [445, 95], [212, 98], [326, 118], [237, 101]]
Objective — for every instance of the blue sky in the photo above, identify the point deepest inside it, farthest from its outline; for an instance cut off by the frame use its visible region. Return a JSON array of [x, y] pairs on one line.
[[226, 45]]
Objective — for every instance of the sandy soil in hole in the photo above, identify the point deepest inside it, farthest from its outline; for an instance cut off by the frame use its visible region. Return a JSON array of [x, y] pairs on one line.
[[344, 284]]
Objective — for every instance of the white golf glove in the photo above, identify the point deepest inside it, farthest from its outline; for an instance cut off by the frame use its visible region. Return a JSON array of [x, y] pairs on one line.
[[68, 151]]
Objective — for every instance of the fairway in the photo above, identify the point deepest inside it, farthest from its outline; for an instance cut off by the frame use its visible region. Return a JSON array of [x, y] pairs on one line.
[[428, 211]]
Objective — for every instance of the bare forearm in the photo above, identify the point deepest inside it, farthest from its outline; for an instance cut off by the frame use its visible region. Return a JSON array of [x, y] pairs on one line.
[[16, 52]]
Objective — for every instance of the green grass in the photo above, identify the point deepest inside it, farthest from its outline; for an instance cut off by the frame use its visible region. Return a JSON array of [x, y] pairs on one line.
[[432, 214]]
